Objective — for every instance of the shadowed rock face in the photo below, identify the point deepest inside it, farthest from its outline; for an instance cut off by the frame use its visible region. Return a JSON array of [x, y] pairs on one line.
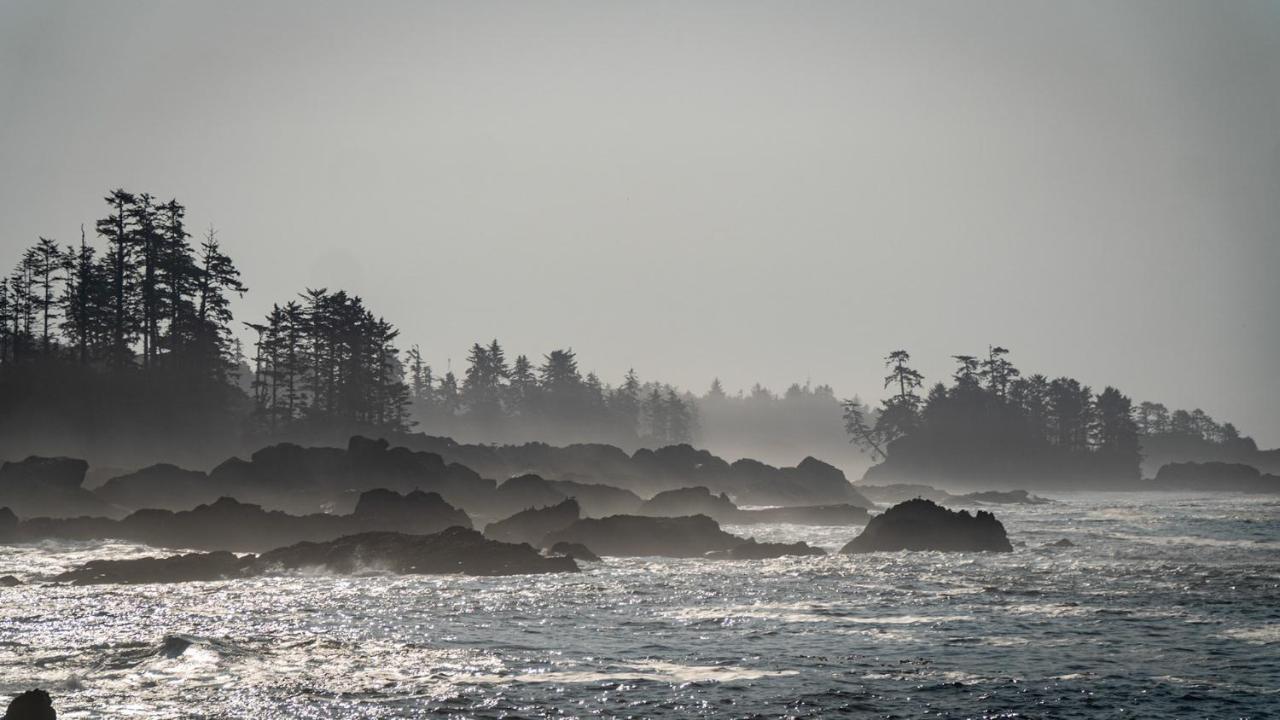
[[8, 525], [752, 550], [599, 500], [638, 536], [577, 551], [31, 705], [530, 526], [521, 493], [690, 501], [163, 486], [192, 567], [242, 527], [41, 486], [924, 525], [453, 551], [456, 550], [1211, 476]]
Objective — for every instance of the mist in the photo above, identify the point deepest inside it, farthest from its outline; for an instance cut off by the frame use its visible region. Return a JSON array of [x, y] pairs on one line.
[[743, 191]]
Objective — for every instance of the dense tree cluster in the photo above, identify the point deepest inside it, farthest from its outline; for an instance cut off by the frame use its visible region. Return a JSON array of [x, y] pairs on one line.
[[329, 362], [551, 400], [993, 422], [129, 337]]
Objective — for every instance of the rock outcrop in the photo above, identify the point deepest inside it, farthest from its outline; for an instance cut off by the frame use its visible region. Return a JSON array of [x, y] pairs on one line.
[[1215, 476], [228, 524], [924, 525], [163, 486], [690, 501], [752, 550], [192, 567], [31, 705], [635, 535], [453, 551], [44, 486], [599, 500], [577, 551], [456, 550], [530, 526]]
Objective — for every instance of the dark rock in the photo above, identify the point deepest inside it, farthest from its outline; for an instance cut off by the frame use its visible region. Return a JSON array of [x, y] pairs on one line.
[[9, 581], [521, 493], [1215, 476], [577, 551], [530, 526], [635, 535], [59, 472], [40, 486], [417, 513], [805, 515], [895, 493], [228, 524], [193, 567], [8, 525], [162, 486], [924, 525], [31, 705], [752, 550], [599, 500], [1063, 543], [456, 550], [690, 501]]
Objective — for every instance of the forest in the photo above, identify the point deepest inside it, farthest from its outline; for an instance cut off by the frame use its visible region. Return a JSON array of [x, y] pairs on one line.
[[994, 427], [123, 348]]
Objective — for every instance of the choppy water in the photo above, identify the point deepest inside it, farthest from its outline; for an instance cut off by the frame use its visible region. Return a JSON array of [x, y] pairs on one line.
[[1169, 607]]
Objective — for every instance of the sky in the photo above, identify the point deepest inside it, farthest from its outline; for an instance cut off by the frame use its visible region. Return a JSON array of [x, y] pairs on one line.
[[756, 191]]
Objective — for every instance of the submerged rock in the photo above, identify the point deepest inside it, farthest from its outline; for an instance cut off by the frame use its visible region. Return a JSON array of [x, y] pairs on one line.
[[924, 525], [9, 581], [530, 526], [31, 705], [636, 535], [577, 551], [453, 551], [192, 567], [1063, 543]]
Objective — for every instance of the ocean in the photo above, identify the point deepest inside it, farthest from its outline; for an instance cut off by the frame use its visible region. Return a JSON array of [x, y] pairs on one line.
[[1166, 606]]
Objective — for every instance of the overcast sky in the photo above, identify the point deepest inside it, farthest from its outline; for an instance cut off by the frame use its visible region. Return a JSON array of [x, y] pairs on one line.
[[757, 191]]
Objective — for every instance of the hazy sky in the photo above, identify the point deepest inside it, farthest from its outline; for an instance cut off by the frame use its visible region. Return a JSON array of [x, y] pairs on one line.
[[759, 191]]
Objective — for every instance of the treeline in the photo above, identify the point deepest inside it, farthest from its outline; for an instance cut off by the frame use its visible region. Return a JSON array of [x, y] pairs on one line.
[[551, 401], [991, 424]]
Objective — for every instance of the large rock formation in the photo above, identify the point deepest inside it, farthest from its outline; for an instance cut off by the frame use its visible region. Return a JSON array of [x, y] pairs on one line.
[[634, 535], [690, 501], [163, 486], [521, 493], [31, 705], [530, 526], [924, 525], [599, 500], [43, 486], [1215, 476], [192, 567], [228, 524], [456, 550], [577, 551]]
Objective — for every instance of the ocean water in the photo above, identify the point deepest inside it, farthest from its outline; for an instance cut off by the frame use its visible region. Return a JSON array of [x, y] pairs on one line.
[[1167, 607]]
